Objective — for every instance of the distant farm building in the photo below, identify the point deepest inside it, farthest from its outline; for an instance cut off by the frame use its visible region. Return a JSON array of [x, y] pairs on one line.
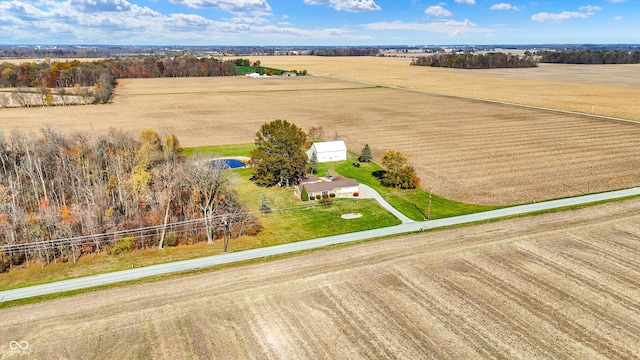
[[328, 151], [324, 187]]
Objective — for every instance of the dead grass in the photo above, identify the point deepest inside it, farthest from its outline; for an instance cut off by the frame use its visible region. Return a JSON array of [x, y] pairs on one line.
[[561, 285]]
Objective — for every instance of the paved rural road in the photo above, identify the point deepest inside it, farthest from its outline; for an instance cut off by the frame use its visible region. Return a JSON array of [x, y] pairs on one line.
[[133, 274]]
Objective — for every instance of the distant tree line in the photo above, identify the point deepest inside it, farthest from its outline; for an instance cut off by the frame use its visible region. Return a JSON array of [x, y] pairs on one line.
[[471, 61], [346, 51], [590, 57], [96, 187], [155, 67], [100, 76]]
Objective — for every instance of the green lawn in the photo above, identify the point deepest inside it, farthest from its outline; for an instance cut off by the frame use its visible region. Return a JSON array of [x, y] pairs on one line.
[[294, 220], [220, 150], [413, 203]]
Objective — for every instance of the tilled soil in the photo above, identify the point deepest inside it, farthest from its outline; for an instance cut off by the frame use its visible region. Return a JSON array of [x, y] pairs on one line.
[[466, 150], [559, 285]]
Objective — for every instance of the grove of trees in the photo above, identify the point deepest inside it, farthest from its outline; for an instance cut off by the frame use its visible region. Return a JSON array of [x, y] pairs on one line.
[[590, 57], [279, 157], [345, 51], [471, 61], [97, 78], [62, 196]]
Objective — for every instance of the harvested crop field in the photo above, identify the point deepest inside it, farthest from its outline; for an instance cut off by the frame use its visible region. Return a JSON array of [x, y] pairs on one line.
[[599, 89], [559, 285], [467, 150]]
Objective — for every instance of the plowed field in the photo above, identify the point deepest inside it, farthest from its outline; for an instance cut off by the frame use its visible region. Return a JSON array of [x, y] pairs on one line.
[[468, 150], [561, 285]]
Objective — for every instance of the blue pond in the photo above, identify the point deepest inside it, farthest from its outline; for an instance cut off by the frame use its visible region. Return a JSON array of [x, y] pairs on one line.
[[231, 163]]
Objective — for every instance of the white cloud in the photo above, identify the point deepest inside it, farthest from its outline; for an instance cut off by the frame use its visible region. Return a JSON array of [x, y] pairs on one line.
[[235, 6], [437, 10], [617, 1], [504, 6], [470, 2], [590, 8], [64, 22], [102, 5], [618, 18], [565, 15], [249, 11], [347, 5], [450, 27]]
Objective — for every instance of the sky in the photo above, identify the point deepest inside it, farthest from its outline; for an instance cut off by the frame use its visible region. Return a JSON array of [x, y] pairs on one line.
[[318, 22]]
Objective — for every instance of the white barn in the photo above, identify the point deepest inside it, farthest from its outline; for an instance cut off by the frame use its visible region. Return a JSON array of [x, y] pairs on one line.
[[328, 151]]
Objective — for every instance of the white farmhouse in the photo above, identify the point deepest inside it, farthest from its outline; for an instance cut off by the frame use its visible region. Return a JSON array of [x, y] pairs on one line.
[[328, 151]]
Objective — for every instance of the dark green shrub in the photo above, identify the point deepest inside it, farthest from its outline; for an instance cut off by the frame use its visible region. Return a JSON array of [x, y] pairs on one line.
[[332, 195]]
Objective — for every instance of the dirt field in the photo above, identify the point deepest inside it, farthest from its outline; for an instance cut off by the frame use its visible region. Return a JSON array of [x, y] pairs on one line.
[[556, 286], [471, 151], [599, 89]]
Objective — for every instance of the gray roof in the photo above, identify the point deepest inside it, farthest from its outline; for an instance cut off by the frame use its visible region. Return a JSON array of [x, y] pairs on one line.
[[337, 182]]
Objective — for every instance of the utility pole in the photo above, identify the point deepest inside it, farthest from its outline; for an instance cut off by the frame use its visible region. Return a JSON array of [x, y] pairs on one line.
[[429, 208]]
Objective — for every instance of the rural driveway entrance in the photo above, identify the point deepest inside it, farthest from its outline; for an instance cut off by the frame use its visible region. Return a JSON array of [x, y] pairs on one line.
[[370, 193]]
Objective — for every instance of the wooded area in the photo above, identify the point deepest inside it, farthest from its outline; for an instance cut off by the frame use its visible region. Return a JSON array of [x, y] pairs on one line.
[[591, 57], [64, 196], [345, 51], [59, 79], [471, 61]]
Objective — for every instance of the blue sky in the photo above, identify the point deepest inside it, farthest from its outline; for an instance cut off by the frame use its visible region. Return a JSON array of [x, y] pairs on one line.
[[318, 22]]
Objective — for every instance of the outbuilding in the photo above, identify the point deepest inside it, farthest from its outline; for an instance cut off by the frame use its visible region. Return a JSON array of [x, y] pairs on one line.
[[328, 151]]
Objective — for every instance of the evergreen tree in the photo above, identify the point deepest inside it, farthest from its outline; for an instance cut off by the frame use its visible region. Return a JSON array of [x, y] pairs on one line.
[[365, 155], [313, 163], [304, 195], [265, 207]]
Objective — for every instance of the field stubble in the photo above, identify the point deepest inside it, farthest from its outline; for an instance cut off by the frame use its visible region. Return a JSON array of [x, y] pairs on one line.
[[559, 285], [466, 150]]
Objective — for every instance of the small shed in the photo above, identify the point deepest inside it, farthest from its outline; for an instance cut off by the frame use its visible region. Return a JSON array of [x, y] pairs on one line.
[[328, 151]]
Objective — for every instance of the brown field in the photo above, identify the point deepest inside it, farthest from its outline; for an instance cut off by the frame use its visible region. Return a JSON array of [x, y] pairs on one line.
[[467, 150], [555, 286], [601, 89]]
